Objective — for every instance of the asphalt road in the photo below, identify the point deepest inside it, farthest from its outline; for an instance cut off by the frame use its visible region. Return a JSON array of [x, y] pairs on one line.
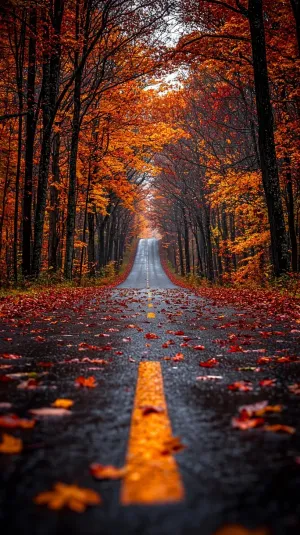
[[250, 478]]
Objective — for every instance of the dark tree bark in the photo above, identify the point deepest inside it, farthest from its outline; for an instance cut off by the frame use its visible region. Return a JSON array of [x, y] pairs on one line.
[[266, 139], [291, 214], [51, 70], [91, 244], [54, 237], [186, 243], [29, 144]]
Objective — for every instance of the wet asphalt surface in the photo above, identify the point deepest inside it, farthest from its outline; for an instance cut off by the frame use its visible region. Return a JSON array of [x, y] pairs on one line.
[[247, 477]]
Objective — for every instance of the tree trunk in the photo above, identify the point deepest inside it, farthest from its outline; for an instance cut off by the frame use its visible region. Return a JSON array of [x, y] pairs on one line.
[[54, 207], [91, 244], [291, 214], [266, 139], [29, 144], [51, 70]]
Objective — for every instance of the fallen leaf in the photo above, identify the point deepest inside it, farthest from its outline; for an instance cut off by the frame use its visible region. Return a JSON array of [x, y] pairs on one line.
[[29, 384], [12, 421], [100, 471], [75, 498], [267, 382], [178, 357], [295, 388], [242, 386], [200, 348], [211, 363], [10, 356], [247, 423], [10, 444], [151, 336], [89, 382], [63, 403]]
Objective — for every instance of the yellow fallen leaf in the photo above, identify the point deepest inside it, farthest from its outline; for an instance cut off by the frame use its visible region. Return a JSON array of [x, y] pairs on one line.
[[71, 496], [10, 444], [63, 403]]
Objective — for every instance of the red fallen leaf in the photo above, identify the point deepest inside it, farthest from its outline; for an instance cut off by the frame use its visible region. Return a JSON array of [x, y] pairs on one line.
[[235, 349], [29, 384], [247, 423], [168, 343], [12, 421], [242, 386], [112, 330], [7, 339], [211, 363], [40, 339], [151, 409], [89, 382], [267, 382], [130, 359], [251, 410], [102, 335], [200, 348], [151, 336], [5, 379], [99, 471], [179, 333], [119, 353], [127, 339], [10, 356], [264, 360], [45, 364], [184, 344], [280, 428], [295, 388], [178, 357]]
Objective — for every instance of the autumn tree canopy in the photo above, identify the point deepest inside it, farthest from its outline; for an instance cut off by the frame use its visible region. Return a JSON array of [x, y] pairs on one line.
[[95, 134]]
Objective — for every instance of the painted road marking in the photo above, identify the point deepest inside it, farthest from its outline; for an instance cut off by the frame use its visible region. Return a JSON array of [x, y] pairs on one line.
[[151, 315], [149, 306], [151, 477]]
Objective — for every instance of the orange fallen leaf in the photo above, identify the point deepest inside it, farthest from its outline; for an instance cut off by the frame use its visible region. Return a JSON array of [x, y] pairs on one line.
[[12, 421], [200, 348], [75, 498], [100, 471], [10, 444], [89, 382], [63, 403], [267, 382], [242, 386], [178, 357], [247, 423]]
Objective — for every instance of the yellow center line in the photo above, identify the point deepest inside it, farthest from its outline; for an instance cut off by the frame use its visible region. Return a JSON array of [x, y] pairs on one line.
[[150, 305], [151, 315], [152, 475]]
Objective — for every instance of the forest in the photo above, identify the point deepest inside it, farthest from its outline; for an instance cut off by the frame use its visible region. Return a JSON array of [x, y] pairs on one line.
[[119, 118]]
